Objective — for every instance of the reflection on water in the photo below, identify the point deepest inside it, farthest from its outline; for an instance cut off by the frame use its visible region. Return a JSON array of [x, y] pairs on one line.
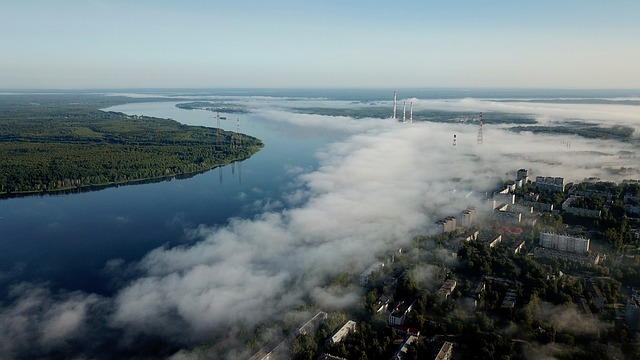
[[67, 239]]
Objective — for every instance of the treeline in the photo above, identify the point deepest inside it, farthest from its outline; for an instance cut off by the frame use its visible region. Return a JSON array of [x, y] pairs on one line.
[[588, 131], [60, 145], [216, 106], [384, 112]]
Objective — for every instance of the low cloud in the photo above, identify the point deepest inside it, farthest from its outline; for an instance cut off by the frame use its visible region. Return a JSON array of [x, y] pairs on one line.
[[39, 322], [606, 114], [566, 318], [375, 187], [371, 191]]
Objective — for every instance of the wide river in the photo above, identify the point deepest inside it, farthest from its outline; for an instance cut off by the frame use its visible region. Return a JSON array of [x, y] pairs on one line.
[[70, 240]]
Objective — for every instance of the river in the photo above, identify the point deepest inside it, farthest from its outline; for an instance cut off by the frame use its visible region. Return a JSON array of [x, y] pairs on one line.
[[69, 241]]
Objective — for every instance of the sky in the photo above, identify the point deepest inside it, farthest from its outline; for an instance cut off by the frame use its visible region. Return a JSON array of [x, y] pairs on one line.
[[93, 44]]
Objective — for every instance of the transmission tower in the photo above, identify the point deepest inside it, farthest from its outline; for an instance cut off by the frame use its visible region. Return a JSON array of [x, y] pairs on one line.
[[238, 138], [218, 132], [480, 130]]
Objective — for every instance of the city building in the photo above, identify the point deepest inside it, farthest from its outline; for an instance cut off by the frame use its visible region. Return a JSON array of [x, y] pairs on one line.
[[523, 174], [586, 258], [399, 314], [404, 347], [346, 329], [468, 217], [447, 288], [330, 357], [504, 196], [365, 277], [578, 245], [471, 235], [381, 304], [509, 300], [445, 352], [446, 225], [312, 325], [550, 183], [517, 246], [490, 240], [567, 206], [539, 206]]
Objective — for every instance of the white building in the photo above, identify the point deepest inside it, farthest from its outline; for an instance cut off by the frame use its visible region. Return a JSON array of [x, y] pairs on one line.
[[468, 217], [346, 329], [445, 351], [572, 244], [446, 225], [399, 314]]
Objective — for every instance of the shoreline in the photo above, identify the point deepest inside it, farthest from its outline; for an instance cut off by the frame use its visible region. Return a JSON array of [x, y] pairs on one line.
[[98, 187]]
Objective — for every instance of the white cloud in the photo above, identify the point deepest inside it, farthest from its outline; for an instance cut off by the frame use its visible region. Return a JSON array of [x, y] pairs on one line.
[[40, 321], [376, 186]]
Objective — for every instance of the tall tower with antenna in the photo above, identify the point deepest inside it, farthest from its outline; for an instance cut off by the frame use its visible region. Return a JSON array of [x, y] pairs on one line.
[[394, 105], [480, 130]]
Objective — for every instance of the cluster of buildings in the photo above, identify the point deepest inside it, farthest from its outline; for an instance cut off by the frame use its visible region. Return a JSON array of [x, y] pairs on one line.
[[281, 349], [506, 210], [466, 218], [550, 183]]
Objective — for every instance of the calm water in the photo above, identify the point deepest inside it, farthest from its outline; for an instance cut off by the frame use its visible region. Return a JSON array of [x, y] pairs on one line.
[[67, 240]]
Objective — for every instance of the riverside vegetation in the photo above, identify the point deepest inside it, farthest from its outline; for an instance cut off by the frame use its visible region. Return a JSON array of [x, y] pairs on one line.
[[60, 142]]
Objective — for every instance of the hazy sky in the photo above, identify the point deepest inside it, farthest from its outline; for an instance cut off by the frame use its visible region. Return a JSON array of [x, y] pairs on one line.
[[329, 43]]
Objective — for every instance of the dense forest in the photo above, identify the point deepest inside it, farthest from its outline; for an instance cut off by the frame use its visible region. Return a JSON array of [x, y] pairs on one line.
[[58, 142], [590, 131]]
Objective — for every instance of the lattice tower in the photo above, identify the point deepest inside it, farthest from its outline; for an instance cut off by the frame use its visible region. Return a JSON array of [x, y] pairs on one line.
[[480, 140]]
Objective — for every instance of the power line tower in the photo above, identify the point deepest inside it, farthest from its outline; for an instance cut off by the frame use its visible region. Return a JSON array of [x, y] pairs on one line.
[[238, 138], [480, 130], [218, 132], [235, 137]]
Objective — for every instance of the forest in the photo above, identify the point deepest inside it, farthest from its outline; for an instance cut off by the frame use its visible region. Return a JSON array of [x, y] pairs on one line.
[[60, 142], [440, 116], [623, 133]]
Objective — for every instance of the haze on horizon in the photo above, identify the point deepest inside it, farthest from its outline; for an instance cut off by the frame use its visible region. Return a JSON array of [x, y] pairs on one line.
[[150, 44]]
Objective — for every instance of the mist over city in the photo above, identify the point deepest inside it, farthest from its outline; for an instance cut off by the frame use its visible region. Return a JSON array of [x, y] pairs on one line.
[[319, 181]]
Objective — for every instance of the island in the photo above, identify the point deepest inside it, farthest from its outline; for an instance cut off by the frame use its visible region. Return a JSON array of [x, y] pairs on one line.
[[62, 142]]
